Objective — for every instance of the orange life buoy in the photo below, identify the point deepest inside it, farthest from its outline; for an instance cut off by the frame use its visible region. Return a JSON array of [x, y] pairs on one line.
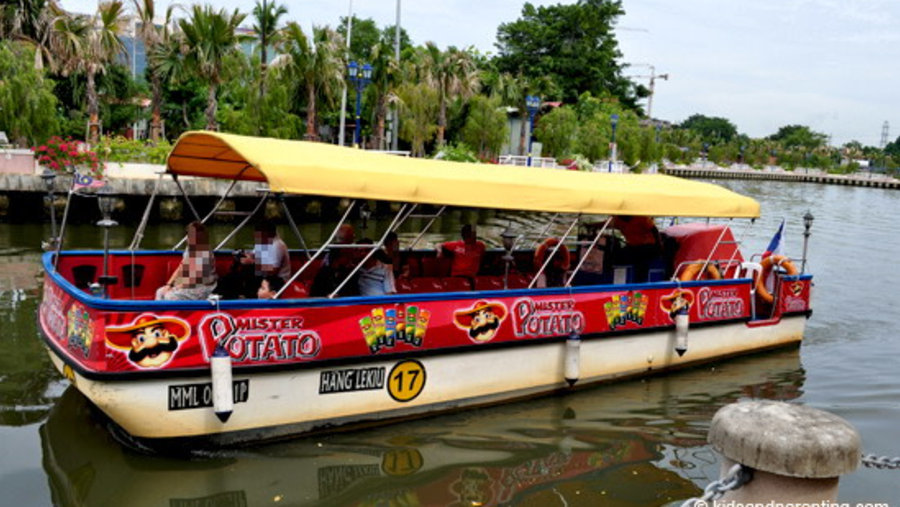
[[693, 269], [563, 257], [768, 264]]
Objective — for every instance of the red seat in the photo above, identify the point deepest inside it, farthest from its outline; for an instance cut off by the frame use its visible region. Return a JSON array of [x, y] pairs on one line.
[[296, 290], [518, 281], [415, 266], [403, 285], [456, 284], [489, 283], [426, 284]]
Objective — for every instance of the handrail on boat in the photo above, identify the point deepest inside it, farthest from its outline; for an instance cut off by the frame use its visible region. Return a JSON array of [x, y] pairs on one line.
[[316, 255]]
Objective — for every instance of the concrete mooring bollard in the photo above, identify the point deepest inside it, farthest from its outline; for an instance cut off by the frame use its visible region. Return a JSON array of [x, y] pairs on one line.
[[797, 453]]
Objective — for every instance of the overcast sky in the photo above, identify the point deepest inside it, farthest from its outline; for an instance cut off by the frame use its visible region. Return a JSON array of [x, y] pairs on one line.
[[828, 64]]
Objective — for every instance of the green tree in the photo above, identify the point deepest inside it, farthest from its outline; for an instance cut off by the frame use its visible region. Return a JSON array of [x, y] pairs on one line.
[[27, 103], [316, 65], [455, 76], [208, 38], [799, 136], [154, 38], [712, 130], [573, 44], [365, 36], [266, 17], [556, 131], [89, 44], [418, 103], [486, 126]]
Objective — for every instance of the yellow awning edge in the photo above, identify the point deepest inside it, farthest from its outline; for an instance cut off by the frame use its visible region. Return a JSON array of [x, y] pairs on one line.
[[303, 167]]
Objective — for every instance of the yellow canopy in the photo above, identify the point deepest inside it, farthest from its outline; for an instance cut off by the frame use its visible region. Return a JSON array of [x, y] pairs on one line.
[[300, 167]]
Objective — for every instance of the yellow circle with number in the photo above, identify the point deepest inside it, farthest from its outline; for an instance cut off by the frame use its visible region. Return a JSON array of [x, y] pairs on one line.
[[406, 380]]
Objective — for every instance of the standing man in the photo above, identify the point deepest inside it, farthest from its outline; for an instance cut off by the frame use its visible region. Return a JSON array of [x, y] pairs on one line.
[[467, 253]]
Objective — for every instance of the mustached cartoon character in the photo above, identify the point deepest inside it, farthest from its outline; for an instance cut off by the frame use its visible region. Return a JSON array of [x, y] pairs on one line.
[[151, 341], [481, 321], [679, 300]]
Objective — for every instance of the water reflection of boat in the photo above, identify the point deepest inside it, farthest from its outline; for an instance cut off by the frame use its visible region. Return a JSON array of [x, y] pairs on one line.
[[600, 446]]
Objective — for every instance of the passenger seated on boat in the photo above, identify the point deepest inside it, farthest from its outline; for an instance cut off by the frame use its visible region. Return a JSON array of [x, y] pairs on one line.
[[337, 265], [466, 253], [270, 254], [398, 262], [554, 274], [592, 267], [376, 276], [642, 243], [195, 278], [269, 287]]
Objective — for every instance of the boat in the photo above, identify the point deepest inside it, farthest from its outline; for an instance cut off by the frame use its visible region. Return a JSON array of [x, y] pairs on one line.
[[235, 370]]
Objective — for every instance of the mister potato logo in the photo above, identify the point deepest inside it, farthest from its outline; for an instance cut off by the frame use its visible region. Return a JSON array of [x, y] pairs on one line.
[[149, 341]]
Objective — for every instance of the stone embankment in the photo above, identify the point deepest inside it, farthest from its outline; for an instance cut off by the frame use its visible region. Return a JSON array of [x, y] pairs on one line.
[[778, 174]]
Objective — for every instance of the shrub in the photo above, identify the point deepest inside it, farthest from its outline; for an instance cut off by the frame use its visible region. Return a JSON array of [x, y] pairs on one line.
[[120, 149]]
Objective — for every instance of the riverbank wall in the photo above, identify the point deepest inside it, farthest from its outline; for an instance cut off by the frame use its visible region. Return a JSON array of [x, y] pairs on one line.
[[741, 172]]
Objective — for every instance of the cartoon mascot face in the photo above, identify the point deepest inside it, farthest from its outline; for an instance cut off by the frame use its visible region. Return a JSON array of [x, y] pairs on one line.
[[151, 341], [679, 300], [481, 321]]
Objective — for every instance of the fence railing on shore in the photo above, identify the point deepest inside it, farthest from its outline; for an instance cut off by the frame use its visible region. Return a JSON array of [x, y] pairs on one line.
[[738, 172]]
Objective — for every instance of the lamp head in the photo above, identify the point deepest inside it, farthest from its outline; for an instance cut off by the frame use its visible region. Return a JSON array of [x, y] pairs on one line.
[[49, 177], [105, 200], [808, 220], [614, 119], [353, 69], [509, 238], [367, 71]]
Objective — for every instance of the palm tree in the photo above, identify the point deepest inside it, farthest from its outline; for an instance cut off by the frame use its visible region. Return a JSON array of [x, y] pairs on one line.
[[266, 28], [209, 37], [88, 44], [384, 82], [153, 37], [317, 66], [30, 21], [454, 74]]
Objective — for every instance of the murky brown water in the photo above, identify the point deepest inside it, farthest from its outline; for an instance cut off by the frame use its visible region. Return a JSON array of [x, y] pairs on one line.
[[633, 443]]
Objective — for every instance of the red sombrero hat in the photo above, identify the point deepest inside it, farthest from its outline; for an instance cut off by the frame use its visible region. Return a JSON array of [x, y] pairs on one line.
[[121, 336], [463, 318]]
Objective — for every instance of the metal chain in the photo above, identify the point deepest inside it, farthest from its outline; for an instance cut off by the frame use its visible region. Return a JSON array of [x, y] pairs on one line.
[[737, 476], [880, 462]]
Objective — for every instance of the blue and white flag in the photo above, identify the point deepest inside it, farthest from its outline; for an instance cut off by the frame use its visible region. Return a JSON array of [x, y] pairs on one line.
[[776, 245]]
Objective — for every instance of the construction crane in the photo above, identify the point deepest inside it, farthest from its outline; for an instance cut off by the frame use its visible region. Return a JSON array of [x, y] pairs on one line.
[[653, 76]]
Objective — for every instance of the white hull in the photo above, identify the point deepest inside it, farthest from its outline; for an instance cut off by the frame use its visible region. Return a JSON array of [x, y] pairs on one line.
[[285, 402]]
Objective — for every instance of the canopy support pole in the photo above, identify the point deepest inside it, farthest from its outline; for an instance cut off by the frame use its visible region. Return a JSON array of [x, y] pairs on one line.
[[216, 207], [559, 245], [293, 224], [62, 229], [321, 249], [427, 226], [139, 233], [585, 254], [262, 200], [186, 198], [396, 222]]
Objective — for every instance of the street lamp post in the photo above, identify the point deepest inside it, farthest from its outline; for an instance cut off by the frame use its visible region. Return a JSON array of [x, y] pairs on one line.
[[360, 76], [49, 178], [807, 225], [614, 119], [533, 104]]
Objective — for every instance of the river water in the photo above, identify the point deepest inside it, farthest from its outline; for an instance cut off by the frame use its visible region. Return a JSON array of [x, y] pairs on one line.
[[633, 443]]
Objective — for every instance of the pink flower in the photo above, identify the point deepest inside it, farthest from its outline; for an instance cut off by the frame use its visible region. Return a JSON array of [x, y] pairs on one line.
[[54, 165]]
